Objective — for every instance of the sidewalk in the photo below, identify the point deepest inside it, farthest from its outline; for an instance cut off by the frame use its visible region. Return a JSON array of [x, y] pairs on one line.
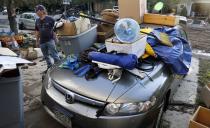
[[179, 116]]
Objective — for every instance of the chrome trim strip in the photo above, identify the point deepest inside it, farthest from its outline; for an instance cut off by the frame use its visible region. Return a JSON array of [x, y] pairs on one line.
[[78, 97]]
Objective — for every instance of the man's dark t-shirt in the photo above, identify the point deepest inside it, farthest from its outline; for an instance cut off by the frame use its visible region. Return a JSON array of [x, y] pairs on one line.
[[45, 28]]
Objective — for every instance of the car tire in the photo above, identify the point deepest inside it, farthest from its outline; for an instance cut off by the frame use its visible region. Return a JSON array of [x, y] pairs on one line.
[[162, 110], [21, 26]]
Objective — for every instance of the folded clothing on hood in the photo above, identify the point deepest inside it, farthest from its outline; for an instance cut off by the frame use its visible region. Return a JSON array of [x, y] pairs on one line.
[[71, 63]]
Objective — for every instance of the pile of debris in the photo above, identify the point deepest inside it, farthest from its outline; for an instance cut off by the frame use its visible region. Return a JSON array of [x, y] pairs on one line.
[[22, 44]]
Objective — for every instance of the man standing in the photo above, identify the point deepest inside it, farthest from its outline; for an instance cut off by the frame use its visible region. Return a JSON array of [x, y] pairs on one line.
[[45, 36]]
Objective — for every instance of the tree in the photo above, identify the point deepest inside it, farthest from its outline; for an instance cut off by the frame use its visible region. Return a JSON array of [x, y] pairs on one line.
[[10, 4], [11, 11], [184, 12], [168, 4]]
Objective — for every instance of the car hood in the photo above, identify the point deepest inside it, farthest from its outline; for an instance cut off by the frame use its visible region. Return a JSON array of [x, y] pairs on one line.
[[99, 88], [102, 89]]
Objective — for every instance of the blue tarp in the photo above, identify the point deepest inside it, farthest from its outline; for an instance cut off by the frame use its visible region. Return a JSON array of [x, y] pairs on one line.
[[126, 61], [177, 57]]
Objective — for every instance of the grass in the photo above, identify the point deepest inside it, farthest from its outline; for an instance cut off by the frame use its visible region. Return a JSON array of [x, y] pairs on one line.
[[203, 78]]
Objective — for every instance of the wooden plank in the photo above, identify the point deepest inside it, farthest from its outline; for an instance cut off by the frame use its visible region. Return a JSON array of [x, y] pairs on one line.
[[161, 19]]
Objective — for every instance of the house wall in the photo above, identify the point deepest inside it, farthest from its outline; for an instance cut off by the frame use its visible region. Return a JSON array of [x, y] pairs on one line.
[[201, 1], [192, 4], [187, 4], [202, 9]]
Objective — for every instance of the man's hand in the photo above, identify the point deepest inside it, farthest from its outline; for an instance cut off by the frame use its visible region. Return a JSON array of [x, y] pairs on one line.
[[37, 44], [56, 40], [37, 39], [55, 37]]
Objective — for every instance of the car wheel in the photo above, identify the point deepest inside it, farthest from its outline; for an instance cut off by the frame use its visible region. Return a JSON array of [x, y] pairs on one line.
[[21, 26], [159, 119]]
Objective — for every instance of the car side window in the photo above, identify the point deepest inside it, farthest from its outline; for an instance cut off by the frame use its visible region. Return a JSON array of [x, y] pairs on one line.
[[26, 16], [32, 17], [23, 16]]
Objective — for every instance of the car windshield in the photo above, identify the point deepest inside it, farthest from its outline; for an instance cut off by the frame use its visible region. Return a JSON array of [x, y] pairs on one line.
[[197, 22]]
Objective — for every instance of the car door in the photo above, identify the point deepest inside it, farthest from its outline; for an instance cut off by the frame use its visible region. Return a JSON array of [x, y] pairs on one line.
[[21, 19], [31, 21], [26, 21]]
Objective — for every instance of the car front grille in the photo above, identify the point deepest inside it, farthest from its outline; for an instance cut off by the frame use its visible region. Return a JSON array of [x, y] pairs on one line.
[[78, 97]]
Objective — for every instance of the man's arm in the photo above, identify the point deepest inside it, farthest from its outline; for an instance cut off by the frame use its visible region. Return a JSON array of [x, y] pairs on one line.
[[54, 33], [37, 38], [37, 33]]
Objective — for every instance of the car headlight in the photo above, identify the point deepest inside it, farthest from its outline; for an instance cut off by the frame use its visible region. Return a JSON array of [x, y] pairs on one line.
[[113, 108], [129, 108], [48, 81]]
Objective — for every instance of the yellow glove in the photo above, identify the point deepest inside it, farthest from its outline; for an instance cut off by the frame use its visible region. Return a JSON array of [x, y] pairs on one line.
[[149, 52], [147, 30], [145, 56]]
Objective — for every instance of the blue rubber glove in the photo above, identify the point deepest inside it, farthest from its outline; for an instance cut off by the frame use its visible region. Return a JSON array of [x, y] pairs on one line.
[[83, 70]]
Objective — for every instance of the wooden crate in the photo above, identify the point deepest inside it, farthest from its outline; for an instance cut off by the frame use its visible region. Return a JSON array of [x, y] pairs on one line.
[[110, 15], [104, 31], [201, 118], [161, 19]]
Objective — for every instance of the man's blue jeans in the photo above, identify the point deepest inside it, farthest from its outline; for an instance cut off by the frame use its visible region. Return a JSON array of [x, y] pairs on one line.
[[49, 49]]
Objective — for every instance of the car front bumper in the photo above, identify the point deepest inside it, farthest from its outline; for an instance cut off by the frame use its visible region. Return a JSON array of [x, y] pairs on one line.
[[84, 115]]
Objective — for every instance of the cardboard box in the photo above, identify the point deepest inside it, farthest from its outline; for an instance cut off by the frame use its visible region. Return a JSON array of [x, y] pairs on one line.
[[205, 95], [201, 118], [137, 47], [68, 29], [134, 9], [161, 19]]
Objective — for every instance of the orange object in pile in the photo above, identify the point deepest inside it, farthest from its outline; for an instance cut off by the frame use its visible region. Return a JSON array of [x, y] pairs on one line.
[[5, 39]]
